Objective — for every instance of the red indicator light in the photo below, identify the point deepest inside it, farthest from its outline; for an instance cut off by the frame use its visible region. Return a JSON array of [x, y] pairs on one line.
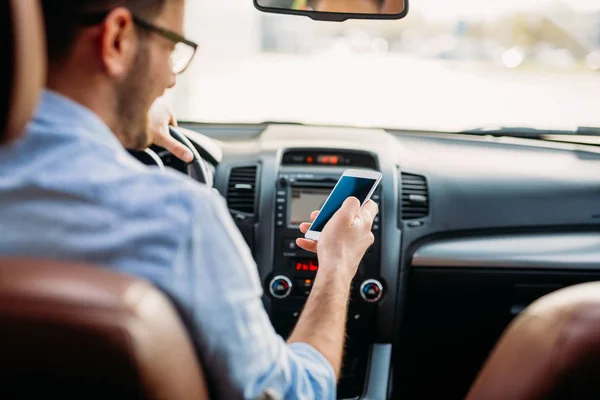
[[308, 265], [334, 160], [309, 160]]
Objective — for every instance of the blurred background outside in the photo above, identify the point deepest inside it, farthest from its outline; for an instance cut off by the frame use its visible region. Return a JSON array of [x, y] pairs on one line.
[[450, 65]]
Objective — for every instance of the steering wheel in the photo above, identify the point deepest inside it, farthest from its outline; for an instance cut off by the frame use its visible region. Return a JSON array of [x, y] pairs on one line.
[[197, 168]]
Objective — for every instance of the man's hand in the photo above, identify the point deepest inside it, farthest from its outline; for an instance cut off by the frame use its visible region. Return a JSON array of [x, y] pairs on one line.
[[346, 237], [160, 117], [342, 245]]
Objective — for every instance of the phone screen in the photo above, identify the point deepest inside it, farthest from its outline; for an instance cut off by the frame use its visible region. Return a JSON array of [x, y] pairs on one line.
[[347, 186]]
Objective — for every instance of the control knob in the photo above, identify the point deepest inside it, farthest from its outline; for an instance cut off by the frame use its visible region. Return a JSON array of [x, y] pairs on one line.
[[280, 287], [371, 291]]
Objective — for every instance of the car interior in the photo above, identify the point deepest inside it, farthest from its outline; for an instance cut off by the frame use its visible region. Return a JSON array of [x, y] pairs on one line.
[[480, 283]]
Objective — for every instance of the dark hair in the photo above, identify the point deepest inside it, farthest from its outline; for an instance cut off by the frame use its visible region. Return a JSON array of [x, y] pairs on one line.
[[63, 19]]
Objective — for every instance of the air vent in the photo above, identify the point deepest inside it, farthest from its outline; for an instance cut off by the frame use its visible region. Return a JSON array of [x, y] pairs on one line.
[[241, 191], [415, 199]]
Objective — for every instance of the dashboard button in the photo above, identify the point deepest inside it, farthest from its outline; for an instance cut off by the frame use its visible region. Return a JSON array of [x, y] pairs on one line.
[[280, 287], [371, 291], [290, 244], [304, 286], [279, 223]]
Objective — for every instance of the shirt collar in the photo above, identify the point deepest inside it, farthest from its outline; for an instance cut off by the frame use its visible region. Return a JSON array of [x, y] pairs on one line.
[[57, 110]]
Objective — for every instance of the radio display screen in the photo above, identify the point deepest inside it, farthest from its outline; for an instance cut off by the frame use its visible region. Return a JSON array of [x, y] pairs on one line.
[[304, 201]]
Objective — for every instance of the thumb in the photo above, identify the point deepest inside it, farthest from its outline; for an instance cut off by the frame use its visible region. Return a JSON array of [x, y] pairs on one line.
[[348, 211]]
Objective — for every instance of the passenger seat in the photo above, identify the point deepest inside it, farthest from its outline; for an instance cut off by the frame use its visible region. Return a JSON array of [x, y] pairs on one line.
[[550, 351]]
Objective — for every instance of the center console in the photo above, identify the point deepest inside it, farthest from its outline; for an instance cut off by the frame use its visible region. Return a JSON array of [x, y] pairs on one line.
[[300, 190]]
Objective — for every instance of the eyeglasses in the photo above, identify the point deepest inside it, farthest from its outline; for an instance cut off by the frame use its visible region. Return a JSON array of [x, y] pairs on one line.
[[184, 51]]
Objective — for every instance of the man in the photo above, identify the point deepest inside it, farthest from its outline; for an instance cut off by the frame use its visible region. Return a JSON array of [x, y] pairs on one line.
[[69, 190], [351, 6], [345, 6]]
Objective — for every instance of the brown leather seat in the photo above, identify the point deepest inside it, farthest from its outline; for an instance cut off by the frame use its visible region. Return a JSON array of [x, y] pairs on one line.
[[89, 333], [21, 38], [74, 331], [551, 351]]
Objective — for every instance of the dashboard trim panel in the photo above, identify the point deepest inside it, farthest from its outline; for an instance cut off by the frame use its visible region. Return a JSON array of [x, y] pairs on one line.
[[562, 251], [379, 372]]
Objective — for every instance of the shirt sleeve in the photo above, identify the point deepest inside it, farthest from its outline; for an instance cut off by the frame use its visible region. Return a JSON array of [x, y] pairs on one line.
[[243, 355]]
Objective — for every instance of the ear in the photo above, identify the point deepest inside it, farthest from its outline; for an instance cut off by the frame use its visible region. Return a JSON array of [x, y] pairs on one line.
[[118, 42]]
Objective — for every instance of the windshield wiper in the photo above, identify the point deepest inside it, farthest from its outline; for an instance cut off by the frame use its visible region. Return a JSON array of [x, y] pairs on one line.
[[528, 132]]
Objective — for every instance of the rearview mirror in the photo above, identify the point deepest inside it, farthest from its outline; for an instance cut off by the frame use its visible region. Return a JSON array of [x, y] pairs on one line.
[[337, 10]]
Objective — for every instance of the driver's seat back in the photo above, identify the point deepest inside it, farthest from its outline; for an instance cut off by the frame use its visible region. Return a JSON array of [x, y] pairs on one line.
[[81, 332]]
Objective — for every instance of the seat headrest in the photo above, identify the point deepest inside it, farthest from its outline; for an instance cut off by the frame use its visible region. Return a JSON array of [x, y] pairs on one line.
[[22, 38]]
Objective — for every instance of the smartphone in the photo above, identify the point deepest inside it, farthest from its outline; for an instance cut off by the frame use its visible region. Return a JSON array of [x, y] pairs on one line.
[[356, 183]]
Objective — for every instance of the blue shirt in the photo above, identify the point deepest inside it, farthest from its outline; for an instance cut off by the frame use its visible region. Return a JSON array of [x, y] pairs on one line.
[[70, 191]]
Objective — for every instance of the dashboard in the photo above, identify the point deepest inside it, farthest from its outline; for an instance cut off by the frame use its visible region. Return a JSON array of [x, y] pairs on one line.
[[471, 230]]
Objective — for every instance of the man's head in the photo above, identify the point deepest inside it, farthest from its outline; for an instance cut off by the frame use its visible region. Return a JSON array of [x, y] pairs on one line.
[[107, 55], [347, 6]]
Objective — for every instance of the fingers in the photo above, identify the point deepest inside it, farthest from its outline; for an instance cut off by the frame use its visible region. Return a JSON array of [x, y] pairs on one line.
[[369, 211], [351, 206], [348, 211], [304, 227], [160, 116], [173, 120], [314, 215], [307, 245], [174, 147]]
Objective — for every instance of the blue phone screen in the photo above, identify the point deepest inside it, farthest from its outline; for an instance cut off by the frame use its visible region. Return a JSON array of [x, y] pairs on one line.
[[347, 186]]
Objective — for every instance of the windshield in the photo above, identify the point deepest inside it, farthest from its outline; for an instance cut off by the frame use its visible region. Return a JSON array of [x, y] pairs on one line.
[[450, 65]]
